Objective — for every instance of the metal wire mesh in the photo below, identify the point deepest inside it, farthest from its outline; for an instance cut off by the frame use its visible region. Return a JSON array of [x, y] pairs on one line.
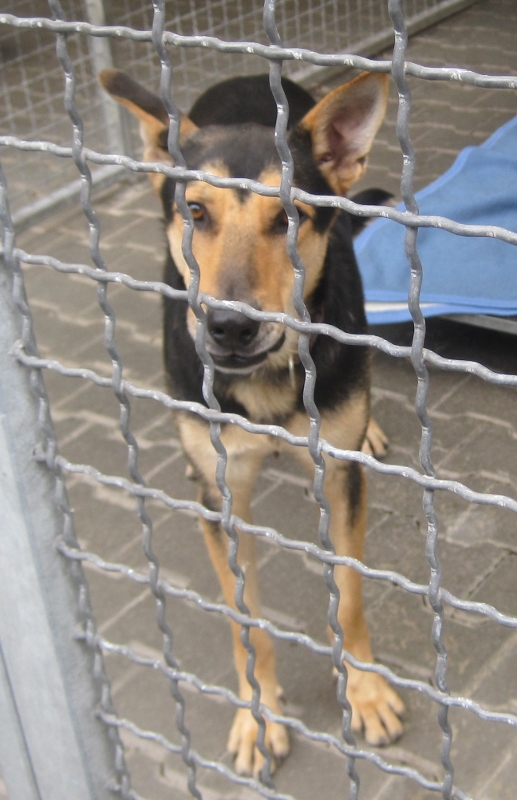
[[31, 81], [124, 390], [31, 89]]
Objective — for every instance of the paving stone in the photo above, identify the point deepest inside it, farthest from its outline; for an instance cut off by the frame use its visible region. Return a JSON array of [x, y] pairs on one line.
[[91, 449], [63, 339], [324, 774], [498, 587], [303, 598], [490, 403], [279, 511], [484, 744], [501, 783], [44, 285], [105, 523], [403, 789], [495, 684], [147, 774], [472, 525], [480, 457]]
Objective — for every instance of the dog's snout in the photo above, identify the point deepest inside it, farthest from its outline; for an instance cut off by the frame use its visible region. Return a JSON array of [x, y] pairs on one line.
[[231, 329]]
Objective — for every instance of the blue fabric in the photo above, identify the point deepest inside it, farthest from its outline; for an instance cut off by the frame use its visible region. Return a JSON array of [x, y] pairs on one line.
[[461, 274]]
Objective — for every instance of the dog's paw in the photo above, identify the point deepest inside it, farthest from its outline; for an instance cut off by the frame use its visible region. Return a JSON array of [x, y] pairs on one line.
[[242, 743], [375, 441], [191, 473], [376, 708]]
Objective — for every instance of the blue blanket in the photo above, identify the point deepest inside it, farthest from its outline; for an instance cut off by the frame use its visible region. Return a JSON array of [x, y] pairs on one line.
[[461, 274]]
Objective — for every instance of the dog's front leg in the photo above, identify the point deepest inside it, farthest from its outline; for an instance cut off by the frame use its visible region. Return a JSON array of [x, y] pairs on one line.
[[243, 734], [376, 708], [245, 454]]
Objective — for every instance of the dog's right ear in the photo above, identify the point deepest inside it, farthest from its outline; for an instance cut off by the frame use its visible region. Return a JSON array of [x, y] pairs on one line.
[[343, 126], [154, 120]]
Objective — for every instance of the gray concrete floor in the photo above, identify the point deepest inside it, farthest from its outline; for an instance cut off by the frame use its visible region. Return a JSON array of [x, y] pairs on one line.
[[475, 441]]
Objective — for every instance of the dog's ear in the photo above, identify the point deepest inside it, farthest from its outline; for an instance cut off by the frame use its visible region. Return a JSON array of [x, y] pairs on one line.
[[149, 109], [343, 126]]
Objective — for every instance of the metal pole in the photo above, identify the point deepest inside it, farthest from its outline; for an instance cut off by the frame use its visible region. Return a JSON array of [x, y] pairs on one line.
[[52, 746], [100, 52]]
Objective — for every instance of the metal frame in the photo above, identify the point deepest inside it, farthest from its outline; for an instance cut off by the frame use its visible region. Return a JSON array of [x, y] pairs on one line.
[[502, 324], [50, 683], [372, 45], [117, 138]]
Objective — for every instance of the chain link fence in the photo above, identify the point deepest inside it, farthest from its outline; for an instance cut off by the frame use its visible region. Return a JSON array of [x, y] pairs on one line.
[[72, 38], [31, 80]]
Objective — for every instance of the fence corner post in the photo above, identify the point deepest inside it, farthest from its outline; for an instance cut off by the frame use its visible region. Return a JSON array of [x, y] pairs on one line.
[[52, 745]]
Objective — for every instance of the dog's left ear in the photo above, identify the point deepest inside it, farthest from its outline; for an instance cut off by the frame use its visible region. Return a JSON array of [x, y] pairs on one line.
[[343, 126], [150, 111]]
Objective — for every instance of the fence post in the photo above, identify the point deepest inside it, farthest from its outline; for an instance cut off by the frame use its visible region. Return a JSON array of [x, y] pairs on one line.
[[100, 53], [52, 746]]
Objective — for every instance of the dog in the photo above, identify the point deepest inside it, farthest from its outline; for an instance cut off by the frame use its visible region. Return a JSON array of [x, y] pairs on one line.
[[239, 243]]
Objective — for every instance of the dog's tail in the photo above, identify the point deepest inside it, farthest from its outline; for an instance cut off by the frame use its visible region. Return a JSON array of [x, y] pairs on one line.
[[368, 197]]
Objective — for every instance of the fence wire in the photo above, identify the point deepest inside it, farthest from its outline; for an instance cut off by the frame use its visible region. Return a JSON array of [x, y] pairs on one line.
[[30, 80], [276, 55]]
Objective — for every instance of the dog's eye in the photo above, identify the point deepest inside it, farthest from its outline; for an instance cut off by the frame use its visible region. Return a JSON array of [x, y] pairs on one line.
[[199, 212], [281, 222]]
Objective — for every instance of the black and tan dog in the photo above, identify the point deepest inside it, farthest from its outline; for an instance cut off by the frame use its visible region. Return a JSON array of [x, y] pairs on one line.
[[239, 243]]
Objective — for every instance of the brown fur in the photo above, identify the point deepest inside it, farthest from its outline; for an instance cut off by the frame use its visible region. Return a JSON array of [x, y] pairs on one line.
[[239, 244]]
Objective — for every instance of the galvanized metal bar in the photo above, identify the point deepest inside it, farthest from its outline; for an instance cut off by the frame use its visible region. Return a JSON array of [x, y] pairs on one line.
[[271, 52], [418, 361], [109, 120], [15, 761], [100, 52], [314, 442], [159, 38], [441, 697], [42, 654], [314, 75], [210, 415], [181, 174], [49, 692], [370, 340], [502, 324]]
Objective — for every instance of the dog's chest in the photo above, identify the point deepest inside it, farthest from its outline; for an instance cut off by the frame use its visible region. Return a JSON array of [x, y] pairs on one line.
[[265, 401]]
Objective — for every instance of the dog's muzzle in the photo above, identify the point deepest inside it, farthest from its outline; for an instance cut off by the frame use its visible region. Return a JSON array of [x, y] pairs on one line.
[[234, 342]]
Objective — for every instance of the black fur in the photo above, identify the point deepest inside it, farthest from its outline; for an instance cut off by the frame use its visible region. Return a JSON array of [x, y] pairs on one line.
[[340, 368], [246, 148], [368, 197], [248, 99], [355, 488]]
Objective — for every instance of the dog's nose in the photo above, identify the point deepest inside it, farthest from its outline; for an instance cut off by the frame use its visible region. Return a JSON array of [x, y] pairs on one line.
[[231, 329]]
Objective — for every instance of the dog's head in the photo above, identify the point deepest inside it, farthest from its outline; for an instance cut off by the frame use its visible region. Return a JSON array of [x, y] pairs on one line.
[[239, 237]]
